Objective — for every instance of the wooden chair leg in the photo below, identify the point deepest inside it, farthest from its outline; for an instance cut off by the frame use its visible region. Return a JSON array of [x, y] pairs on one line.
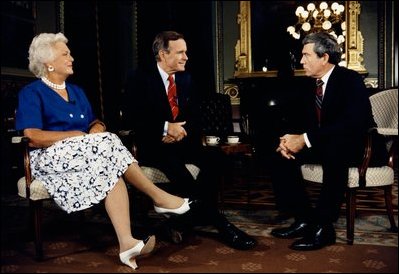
[[36, 211], [222, 182], [248, 172], [350, 215], [389, 207]]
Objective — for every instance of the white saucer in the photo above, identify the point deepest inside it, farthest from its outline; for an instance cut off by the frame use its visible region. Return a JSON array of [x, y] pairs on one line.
[[212, 144], [227, 143]]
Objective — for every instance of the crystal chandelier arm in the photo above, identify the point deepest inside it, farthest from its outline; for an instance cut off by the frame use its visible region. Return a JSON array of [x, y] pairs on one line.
[[317, 18]]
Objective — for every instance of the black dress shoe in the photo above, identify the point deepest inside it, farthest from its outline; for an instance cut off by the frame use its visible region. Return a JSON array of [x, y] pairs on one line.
[[296, 230], [174, 229], [317, 238], [234, 237]]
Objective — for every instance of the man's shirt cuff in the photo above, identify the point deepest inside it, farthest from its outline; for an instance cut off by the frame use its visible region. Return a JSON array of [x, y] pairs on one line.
[[165, 128], [308, 144]]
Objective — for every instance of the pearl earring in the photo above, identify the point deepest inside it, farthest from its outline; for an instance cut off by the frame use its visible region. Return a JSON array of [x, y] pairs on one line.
[[50, 68]]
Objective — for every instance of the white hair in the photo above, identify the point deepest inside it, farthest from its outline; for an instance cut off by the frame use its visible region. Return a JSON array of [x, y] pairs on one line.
[[41, 51]]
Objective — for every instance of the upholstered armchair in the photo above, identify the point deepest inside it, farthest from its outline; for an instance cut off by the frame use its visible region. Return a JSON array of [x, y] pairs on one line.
[[152, 173], [216, 116], [35, 192], [385, 110]]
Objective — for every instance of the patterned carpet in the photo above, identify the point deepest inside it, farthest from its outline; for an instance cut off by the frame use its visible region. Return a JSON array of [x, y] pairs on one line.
[[88, 245], [249, 203], [76, 244], [255, 190]]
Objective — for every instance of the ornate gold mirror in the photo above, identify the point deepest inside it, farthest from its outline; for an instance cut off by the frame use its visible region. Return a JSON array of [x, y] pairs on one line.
[[261, 48]]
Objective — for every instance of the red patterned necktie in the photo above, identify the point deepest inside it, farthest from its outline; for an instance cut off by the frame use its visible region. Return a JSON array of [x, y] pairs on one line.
[[319, 97], [172, 97]]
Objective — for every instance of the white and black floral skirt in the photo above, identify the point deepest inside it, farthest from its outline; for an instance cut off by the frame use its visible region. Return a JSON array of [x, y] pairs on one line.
[[78, 172]]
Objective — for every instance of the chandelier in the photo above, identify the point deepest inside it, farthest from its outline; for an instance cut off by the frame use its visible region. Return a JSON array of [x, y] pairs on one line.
[[321, 18]]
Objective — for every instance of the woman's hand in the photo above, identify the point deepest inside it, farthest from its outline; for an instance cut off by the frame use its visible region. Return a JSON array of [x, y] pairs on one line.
[[97, 128], [45, 138]]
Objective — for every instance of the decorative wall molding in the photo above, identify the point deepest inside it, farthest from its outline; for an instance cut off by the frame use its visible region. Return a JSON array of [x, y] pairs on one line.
[[243, 46], [233, 92], [61, 16], [354, 38], [371, 82], [219, 44]]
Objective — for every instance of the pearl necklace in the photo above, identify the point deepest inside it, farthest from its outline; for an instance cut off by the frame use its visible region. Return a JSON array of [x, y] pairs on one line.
[[52, 85]]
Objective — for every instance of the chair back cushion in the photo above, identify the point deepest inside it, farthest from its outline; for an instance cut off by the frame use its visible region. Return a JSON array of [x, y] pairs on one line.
[[385, 111], [216, 115], [37, 190], [375, 176]]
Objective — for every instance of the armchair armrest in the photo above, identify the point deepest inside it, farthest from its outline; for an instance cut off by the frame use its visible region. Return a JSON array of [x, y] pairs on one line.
[[128, 139], [24, 142], [388, 131], [374, 143], [392, 150], [362, 168]]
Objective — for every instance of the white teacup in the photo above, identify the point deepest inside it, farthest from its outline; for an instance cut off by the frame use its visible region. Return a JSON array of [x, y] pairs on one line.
[[212, 140], [233, 139]]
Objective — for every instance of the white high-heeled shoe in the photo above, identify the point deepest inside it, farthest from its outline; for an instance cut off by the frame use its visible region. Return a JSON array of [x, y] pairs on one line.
[[178, 211], [129, 256]]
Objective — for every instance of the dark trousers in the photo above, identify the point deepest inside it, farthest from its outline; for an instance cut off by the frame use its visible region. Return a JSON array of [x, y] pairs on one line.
[[290, 188], [171, 160]]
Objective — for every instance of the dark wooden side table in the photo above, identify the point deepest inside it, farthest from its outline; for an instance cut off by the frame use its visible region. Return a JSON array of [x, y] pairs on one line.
[[243, 149]]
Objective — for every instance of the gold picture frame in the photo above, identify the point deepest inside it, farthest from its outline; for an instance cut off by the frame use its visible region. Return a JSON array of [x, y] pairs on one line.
[[243, 49]]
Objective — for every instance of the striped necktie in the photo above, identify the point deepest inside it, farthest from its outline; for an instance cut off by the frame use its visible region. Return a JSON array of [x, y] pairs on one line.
[[172, 97], [319, 97]]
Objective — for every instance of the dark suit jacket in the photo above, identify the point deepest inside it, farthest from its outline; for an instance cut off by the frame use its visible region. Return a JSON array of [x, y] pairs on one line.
[[147, 108], [337, 144], [346, 116]]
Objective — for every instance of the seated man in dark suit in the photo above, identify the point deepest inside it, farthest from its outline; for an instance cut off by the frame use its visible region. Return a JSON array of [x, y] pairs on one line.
[[162, 107], [335, 122]]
